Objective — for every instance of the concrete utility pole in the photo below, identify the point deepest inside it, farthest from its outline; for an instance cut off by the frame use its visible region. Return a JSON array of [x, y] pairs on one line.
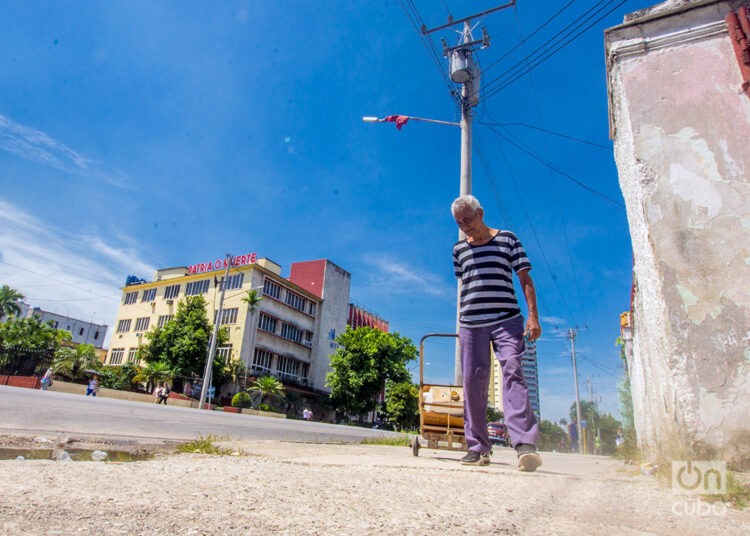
[[464, 72], [212, 350], [572, 336]]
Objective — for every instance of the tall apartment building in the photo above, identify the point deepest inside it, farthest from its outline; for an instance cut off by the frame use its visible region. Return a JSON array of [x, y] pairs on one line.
[[289, 336], [82, 332], [530, 373]]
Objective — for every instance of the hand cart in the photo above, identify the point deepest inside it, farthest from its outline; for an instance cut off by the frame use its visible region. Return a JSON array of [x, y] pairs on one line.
[[441, 410]]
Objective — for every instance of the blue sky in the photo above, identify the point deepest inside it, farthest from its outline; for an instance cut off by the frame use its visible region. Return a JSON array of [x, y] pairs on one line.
[[137, 135]]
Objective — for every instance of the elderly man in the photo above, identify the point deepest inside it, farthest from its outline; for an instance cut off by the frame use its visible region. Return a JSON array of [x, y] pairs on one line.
[[484, 262]]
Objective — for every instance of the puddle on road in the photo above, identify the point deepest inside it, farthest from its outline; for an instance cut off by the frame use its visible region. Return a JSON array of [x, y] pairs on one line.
[[77, 455]]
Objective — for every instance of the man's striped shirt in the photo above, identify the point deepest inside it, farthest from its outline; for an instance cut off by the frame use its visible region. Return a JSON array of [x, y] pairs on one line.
[[486, 273]]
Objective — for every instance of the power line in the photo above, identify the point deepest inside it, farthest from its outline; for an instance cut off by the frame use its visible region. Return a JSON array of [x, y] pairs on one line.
[[536, 238], [538, 61], [556, 169], [501, 58], [560, 134], [417, 22], [554, 188]]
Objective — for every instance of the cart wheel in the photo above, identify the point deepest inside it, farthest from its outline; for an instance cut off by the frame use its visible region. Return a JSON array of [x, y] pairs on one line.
[[415, 446]]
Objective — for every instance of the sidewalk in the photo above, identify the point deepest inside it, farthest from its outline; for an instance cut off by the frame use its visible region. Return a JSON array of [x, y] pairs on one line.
[[322, 489]]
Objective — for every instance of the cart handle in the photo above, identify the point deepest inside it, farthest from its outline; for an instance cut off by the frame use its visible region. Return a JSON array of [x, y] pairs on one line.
[[421, 352]]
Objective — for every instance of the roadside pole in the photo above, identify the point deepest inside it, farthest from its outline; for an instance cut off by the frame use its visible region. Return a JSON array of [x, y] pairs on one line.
[[572, 335], [212, 350]]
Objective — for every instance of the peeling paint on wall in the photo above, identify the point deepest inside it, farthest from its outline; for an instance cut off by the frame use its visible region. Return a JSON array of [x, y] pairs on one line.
[[681, 151]]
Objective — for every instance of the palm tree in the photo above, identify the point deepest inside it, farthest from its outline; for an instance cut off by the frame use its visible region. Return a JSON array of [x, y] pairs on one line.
[[9, 301], [73, 362], [267, 386], [252, 299], [153, 374], [234, 370]]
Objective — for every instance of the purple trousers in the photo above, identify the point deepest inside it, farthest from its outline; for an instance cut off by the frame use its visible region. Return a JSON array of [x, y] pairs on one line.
[[507, 339]]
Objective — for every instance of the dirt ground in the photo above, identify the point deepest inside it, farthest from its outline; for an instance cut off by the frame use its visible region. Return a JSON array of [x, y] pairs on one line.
[[296, 488]]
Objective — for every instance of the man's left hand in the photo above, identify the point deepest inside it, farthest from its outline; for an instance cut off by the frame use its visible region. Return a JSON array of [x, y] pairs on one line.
[[533, 329]]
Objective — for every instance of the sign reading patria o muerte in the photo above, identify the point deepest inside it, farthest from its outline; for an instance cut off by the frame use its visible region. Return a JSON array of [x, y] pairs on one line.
[[218, 264]]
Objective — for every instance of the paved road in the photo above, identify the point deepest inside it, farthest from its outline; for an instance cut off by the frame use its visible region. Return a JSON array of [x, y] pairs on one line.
[[33, 411]]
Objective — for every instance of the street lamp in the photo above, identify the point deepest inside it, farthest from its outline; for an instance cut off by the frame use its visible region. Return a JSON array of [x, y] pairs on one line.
[[465, 188]]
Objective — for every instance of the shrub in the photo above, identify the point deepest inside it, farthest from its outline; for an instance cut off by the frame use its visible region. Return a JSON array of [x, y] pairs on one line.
[[264, 407], [242, 400]]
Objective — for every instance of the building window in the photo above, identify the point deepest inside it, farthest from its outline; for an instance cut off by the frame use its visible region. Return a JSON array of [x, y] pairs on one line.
[[262, 360], [225, 352], [197, 287], [141, 324], [311, 308], [287, 367], [149, 294], [115, 357], [130, 297], [171, 292], [56, 324], [96, 335], [131, 355], [308, 339], [267, 323], [271, 289], [235, 281], [304, 368], [80, 331], [123, 326], [293, 300], [293, 333], [163, 319], [228, 316]]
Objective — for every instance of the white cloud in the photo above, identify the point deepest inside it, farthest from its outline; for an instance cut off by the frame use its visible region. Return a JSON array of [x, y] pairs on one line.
[[554, 320], [398, 277], [79, 276], [36, 146]]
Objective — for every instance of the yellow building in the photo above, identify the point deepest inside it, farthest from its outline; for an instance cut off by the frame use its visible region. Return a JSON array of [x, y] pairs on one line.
[[286, 337]]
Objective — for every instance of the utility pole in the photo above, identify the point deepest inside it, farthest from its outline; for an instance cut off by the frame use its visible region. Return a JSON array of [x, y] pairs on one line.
[[572, 336], [464, 72], [212, 349], [591, 396]]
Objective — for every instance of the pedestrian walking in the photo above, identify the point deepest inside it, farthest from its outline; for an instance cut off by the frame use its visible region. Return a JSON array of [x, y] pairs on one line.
[[484, 262], [93, 386], [157, 393], [597, 445], [46, 381], [309, 414], [573, 431], [164, 395]]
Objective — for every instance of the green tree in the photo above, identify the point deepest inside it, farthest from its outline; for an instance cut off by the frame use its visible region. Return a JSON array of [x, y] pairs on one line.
[[119, 377], [73, 362], [588, 413], [630, 446], [402, 404], [366, 358], [267, 387], [233, 371], [182, 344], [608, 428], [10, 301], [550, 435], [153, 374], [494, 416], [32, 334]]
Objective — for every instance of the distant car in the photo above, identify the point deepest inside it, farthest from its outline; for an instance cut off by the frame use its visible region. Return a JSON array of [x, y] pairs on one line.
[[498, 433]]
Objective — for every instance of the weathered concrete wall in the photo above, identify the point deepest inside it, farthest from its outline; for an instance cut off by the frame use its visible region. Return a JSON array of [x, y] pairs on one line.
[[681, 129]]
